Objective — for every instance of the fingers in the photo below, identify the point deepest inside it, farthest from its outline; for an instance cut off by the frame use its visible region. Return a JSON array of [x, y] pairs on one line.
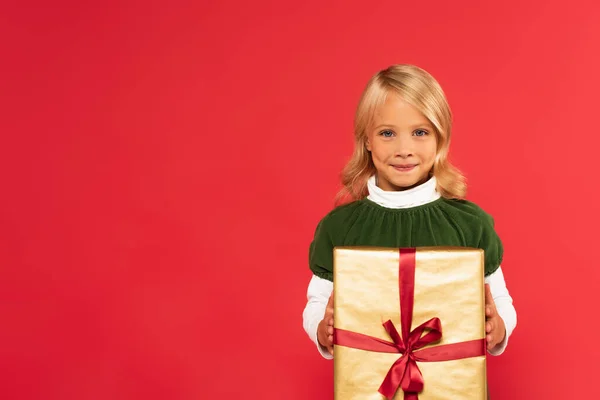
[[491, 334], [325, 334], [329, 308], [492, 340], [490, 304], [489, 299], [328, 337], [329, 343], [330, 331], [494, 324], [329, 324], [495, 331]]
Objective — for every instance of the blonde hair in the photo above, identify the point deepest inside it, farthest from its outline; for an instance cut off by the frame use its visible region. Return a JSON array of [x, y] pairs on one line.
[[417, 87]]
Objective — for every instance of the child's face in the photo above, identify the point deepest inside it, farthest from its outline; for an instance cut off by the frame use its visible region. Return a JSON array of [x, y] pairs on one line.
[[402, 143]]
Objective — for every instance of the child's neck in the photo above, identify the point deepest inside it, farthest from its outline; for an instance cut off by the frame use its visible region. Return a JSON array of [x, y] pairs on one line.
[[419, 195]]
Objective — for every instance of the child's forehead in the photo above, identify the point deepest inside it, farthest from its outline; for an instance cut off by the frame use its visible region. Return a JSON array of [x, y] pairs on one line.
[[395, 109]]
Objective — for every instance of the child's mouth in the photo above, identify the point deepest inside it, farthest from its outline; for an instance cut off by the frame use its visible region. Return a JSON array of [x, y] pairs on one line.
[[404, 168]]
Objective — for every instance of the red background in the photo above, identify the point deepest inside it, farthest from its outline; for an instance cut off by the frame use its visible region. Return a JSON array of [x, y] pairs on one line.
[[164, 167]]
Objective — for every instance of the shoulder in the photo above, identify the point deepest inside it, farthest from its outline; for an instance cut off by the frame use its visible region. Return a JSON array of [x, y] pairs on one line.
[[481, 228], [469, 211], [328, 232], [336, 219]]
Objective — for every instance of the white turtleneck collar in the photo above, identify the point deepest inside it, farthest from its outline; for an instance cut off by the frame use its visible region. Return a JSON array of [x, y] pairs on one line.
[[419, 195]]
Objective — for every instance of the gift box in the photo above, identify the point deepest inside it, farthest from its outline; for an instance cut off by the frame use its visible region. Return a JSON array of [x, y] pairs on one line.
[[409, 323]]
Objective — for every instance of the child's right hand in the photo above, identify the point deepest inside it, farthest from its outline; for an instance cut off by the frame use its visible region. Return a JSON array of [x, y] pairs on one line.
[[325, 328]]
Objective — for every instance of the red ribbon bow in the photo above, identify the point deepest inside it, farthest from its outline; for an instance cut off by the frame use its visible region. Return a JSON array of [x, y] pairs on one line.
[[405, 372]]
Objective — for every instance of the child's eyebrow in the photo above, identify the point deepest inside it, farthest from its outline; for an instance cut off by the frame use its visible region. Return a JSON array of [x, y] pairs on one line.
[[384, 126], [424, 124]]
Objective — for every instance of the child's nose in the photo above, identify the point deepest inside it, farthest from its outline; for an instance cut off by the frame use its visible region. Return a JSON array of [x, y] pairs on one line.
[[403, 147]]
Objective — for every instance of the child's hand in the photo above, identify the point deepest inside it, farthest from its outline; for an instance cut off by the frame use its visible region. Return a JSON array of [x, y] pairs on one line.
[[494, 326], [325, 328]]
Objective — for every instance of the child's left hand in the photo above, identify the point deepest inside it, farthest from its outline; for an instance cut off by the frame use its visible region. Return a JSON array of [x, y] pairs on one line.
[[494, 325]]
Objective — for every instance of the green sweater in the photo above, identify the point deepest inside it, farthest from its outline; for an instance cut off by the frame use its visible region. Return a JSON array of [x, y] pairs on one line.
[[442, 222]]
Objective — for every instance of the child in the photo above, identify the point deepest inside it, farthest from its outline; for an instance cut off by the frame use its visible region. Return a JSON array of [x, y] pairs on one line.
[[405, 193]]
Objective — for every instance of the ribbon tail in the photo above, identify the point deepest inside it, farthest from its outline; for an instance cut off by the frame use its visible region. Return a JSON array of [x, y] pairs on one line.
[[393, 379], [412, 381]]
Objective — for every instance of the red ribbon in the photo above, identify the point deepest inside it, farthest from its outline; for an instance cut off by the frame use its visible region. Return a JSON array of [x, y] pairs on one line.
[[405, 372]]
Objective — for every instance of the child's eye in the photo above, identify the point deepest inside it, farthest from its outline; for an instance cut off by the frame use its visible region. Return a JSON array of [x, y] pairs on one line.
[[386, 133], [420, 132]]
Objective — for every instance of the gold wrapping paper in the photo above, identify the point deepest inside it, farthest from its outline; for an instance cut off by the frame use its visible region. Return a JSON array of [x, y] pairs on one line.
[[449, 284]]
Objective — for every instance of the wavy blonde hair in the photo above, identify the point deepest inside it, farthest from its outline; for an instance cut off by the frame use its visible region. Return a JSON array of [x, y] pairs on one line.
[[417, 87]]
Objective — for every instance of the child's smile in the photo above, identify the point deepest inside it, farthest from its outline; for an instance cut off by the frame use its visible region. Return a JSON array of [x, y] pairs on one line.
[[405, 167]]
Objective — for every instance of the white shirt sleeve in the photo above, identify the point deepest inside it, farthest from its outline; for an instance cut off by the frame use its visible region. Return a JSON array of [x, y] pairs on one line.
[[320, 289], [318, 293], [504, 305]]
